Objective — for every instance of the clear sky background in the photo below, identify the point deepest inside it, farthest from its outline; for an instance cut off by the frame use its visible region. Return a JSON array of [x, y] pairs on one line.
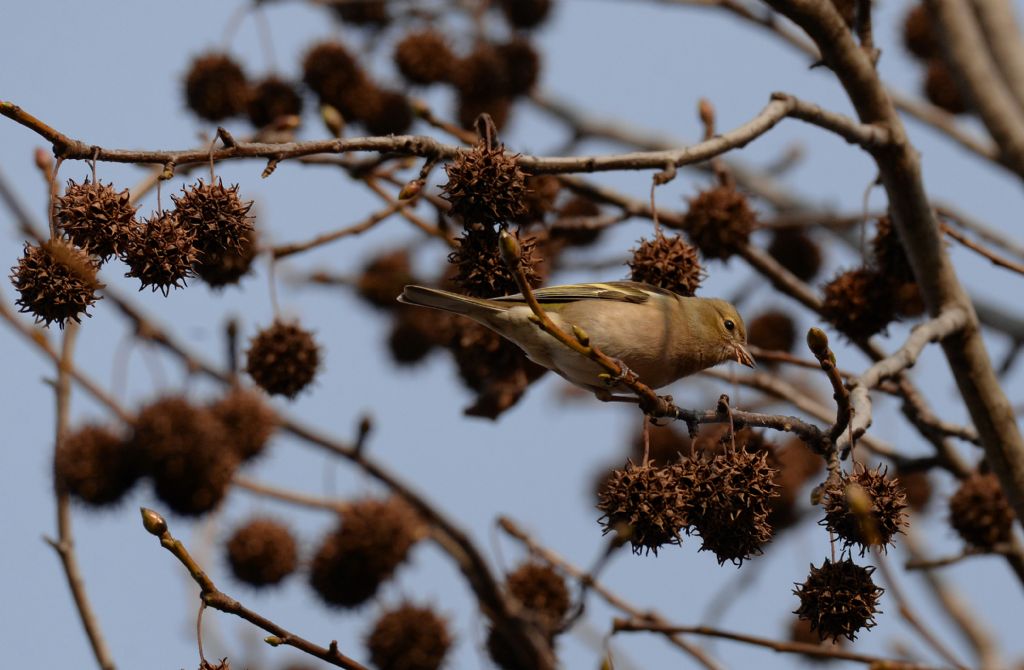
[[109, 73]]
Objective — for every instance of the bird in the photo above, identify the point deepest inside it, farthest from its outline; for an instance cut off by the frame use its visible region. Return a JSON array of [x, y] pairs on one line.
[[659, 335]]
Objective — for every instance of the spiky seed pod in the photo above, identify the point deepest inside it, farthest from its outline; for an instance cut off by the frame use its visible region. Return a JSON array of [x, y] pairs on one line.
[[499, 108], [719, 221], [96, 465], [409, 638], [773, 330], [941, 88], [504, 654], [865, 509], [271, 99], [859, 302], [481, 75], [644, 504], [283, 359], [262, 552], [839, 599], [417, 332], [248, 420], [526, 13], [383, 278], [220, 269], [95, 217], [980, 513], [485, 186], [667, 262], [219, 218], [215, 87], [329, 69], [542, 591], [480, 269], [372, 13], [727, 501], [187, 453], [918, 487], [387, 113], [522, 65], [424, 57], [800, 631], [539, 197], [161, 253], [919, 34], [497, 370], [796, 251], [374, 538], [889, 255], [55, 282]]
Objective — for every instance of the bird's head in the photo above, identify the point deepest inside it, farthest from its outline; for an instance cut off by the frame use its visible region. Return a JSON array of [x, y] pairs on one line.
[[730, 332]]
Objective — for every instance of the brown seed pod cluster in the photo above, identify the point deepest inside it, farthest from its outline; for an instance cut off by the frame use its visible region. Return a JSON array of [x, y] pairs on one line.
[[980, 513], [796, 251], [859, 302], [480, 270], [331, 71], [918, 487], [727, 502], [96, 465], [216, 216], [774, 330], [283, 359], [485, 186], [95, 217], [383, 278], [55, 282], [374, 538], [161, 253], [220, 269], [888, 252], [919, 33], [371, 13], [839, 599], [522, 66], [409, 637], [667, 262], [216, 87], [271, 99], [417, 332], [541, 591], [866, 508], [719, 221], [643, 504], [187, 452], [941, 88], [262, 552], [248, 419], [497, 370], [525, 14], [541, 193], [424, 57]]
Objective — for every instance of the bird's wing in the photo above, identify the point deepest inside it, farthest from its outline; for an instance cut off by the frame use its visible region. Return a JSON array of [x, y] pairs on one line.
[[619, 291]]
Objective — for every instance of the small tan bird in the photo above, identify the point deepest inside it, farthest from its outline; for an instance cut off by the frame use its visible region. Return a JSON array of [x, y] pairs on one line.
[[659, 335]]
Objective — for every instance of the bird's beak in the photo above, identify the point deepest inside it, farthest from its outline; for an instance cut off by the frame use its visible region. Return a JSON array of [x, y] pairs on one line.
[[743, 356]]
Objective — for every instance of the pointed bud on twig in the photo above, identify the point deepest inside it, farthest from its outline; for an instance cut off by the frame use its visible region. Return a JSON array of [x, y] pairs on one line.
[[817, 342], [511, 252], [44, 160], [153, 522], [707, 117], [273, 640], [581, 335], [411, 189], [333, 119]]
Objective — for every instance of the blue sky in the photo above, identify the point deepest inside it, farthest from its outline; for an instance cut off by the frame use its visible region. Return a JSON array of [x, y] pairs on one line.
[[109, 73]]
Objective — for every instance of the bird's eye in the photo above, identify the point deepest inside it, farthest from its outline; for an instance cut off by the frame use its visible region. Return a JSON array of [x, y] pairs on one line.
[[729, 325]]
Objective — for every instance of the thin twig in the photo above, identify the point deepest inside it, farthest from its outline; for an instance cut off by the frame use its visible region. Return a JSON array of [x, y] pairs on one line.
[[217, 599]]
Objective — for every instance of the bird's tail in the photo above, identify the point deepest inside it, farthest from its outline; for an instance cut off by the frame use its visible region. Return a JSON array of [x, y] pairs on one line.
[[449, 302]]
